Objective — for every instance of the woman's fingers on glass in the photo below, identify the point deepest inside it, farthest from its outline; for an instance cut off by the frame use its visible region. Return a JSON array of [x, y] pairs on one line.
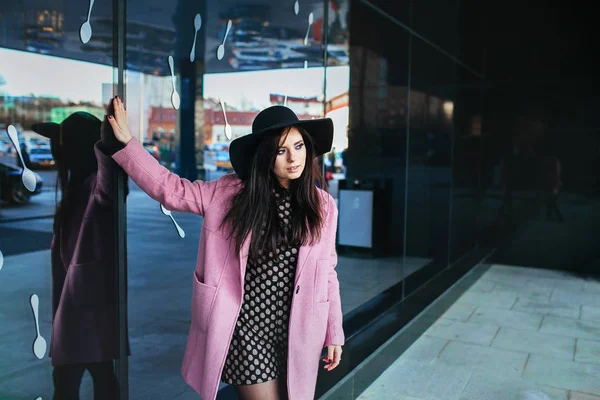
[[116, 107], [117, 131]]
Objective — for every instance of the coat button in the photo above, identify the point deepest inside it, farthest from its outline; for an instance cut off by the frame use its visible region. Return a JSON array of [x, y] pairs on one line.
[[297, 289]]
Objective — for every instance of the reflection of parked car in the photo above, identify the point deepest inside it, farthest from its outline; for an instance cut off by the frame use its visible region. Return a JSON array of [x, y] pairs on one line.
[[41, 39], [248, 27], [152, 148], [222, 161], [41, 157], [4, 148], [11, 187], [282, 33], [288, 55]]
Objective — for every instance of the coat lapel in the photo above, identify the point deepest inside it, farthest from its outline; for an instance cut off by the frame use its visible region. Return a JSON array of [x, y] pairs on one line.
[[303, 254], [243, 256]]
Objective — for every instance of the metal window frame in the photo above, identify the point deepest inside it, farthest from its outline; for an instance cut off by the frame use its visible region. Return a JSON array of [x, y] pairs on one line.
[[120, 233]]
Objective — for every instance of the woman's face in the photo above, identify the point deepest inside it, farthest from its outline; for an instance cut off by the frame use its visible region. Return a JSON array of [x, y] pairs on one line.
[[291, 157]]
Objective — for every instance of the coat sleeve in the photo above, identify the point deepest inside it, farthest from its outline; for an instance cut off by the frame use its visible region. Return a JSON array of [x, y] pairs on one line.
[[335, 331], [173, 192], [104, 177]]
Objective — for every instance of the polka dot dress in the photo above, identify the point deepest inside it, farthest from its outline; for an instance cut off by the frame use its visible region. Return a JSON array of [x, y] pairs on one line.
[[258, 349]]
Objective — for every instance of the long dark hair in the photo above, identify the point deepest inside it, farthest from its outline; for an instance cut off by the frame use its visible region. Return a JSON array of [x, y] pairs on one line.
[[75, 162], [62, 183], [254, 209]]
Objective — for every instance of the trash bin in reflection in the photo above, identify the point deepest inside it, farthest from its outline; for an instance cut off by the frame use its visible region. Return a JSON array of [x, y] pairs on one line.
[[364, 216]]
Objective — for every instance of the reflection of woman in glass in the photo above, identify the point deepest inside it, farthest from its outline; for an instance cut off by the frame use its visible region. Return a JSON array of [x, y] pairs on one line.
[[82, 251], [265, 292]]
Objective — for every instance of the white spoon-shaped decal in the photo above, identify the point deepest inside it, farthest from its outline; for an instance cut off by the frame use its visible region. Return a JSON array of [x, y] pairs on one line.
[[197, 25], [1, 260], [227, 126], [39, 344], [85, 32], [168, 213], [27, 176], [305, 64], [175, 100], [310, 22], [221, 48], [285, 101], [296, 7]]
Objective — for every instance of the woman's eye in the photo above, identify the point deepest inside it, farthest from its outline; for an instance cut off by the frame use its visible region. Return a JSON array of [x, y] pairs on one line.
[[280, 152], [299, 146]]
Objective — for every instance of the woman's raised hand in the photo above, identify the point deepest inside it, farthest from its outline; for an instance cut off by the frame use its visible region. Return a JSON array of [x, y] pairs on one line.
[[118, 122]]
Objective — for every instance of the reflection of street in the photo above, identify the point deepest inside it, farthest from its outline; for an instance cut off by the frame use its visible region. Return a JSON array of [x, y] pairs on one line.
[[48, 175], [42, 205]]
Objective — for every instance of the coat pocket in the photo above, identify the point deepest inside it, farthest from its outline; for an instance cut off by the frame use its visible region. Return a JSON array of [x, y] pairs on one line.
[[91, 284], [322, 281], [203, 297]]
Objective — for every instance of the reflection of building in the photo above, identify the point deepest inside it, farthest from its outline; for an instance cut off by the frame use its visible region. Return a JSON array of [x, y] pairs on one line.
[[43, 30], [148, 45], [27, 110], [240, 122], [310, 106], [161, 121], [337, 23], [337, 102]]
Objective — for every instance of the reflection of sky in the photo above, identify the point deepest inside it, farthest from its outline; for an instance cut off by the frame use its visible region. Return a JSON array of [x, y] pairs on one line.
[[256, 86], [46, 76]]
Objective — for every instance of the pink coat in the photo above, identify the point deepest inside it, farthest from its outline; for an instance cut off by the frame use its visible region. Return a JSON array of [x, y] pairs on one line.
[[316, 313], [83, 327]]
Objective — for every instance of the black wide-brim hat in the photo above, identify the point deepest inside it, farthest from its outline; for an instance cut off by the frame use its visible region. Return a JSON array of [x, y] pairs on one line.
[[269, 121], [79, 128]]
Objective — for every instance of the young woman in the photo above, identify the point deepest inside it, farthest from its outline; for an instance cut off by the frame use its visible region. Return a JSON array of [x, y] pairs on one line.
[[82, 251], [265, 291]]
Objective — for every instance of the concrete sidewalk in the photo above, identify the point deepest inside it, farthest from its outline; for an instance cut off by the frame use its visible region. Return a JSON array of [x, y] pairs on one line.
[[517, 333]]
